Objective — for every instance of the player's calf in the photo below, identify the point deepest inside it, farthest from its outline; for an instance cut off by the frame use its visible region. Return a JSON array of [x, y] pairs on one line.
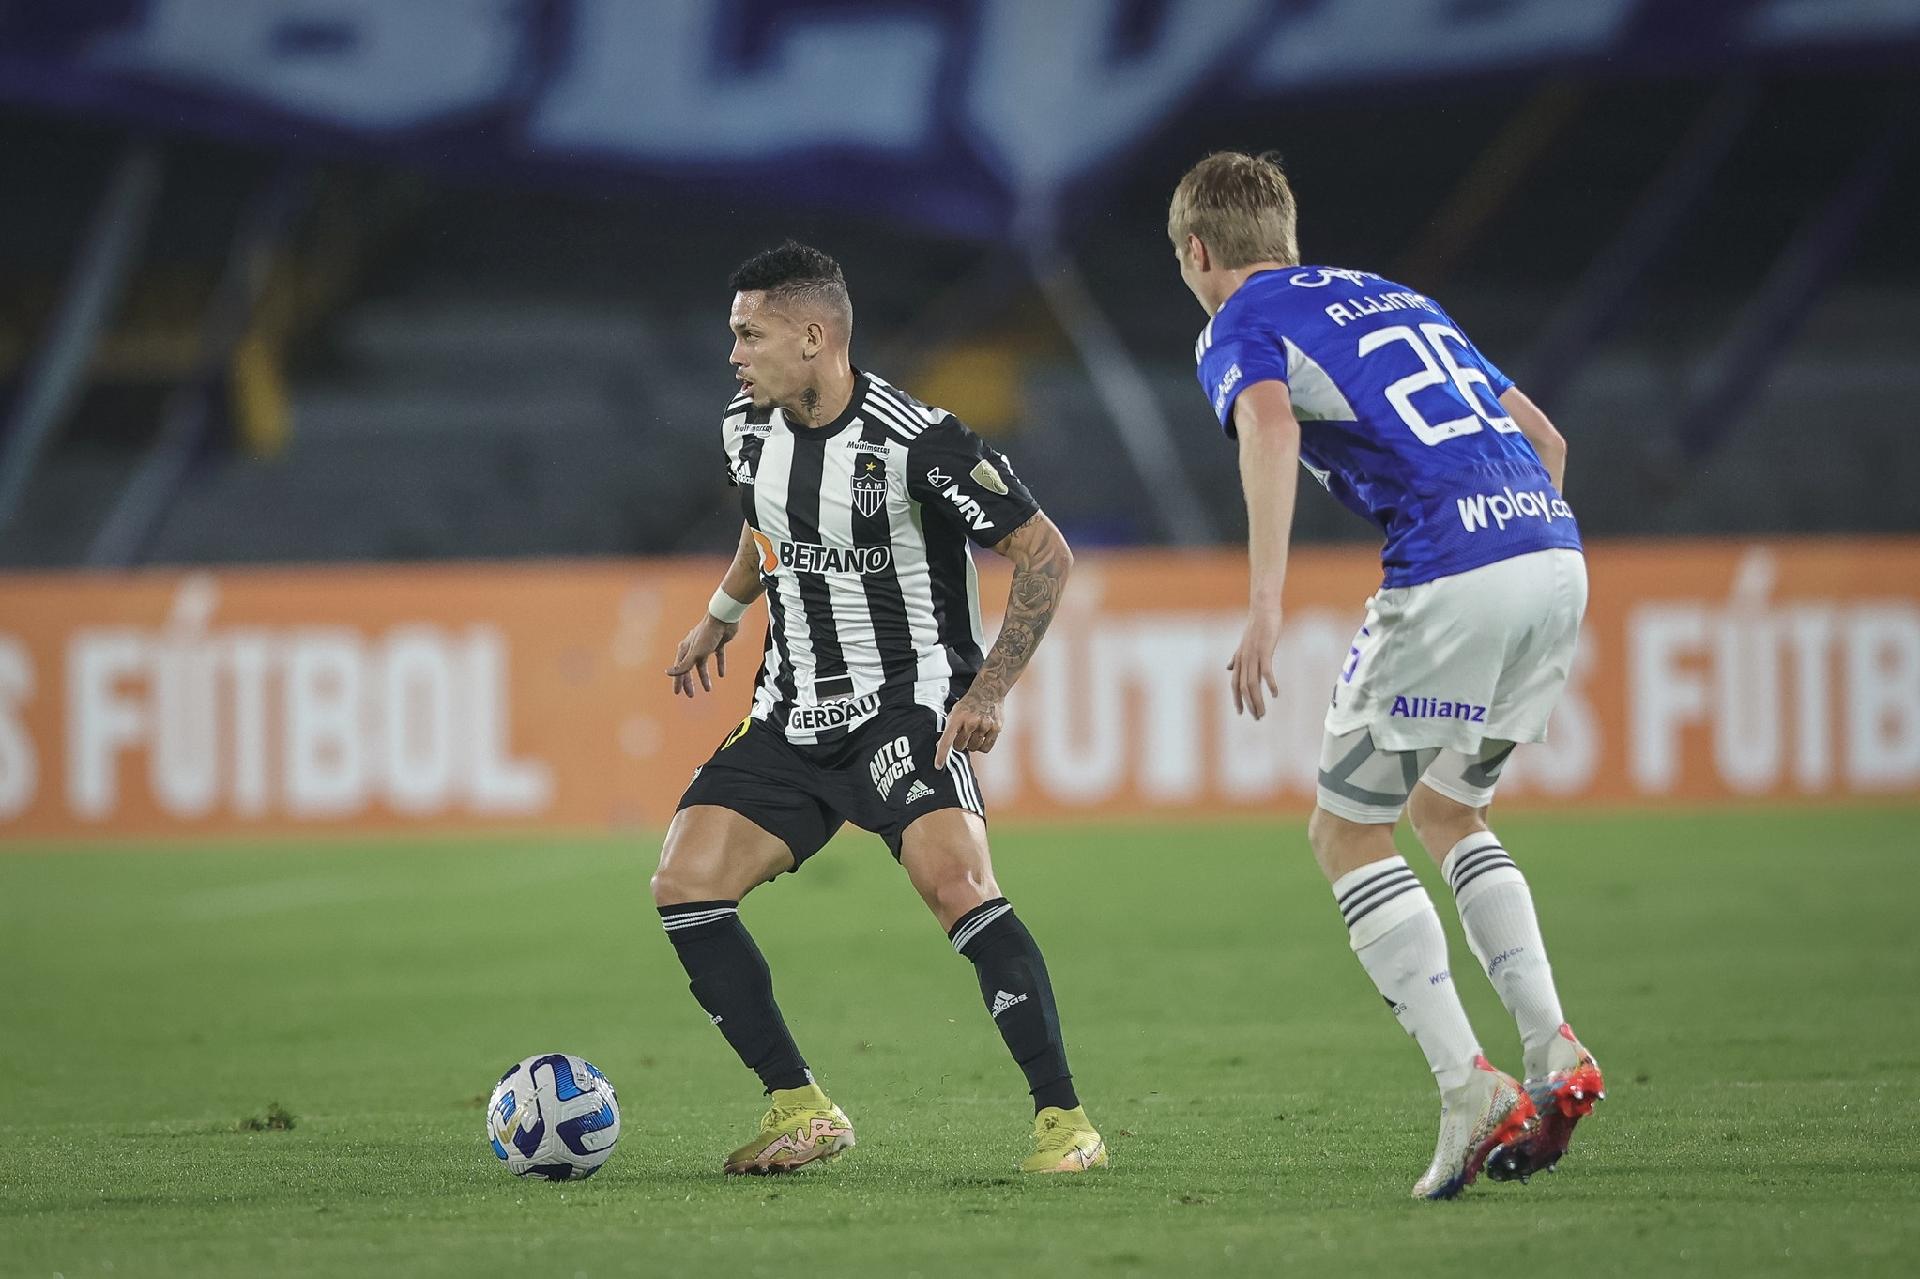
[[1503, 931], [730, 978], [1018, 994]]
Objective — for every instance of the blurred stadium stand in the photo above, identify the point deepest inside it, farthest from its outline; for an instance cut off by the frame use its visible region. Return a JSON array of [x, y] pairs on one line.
[[1705, 273]]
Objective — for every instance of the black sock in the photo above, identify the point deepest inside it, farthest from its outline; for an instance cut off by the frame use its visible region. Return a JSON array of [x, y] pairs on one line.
[[1013, 981], [729, 977]]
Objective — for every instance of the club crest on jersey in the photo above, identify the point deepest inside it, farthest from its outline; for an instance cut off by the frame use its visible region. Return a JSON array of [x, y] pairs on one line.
[[869, 485]]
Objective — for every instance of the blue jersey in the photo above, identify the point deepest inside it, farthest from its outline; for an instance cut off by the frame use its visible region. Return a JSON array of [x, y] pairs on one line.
[[1400, 416]]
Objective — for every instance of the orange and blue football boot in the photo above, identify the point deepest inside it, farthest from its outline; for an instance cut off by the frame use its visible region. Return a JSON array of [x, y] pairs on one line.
[[1563, 1094], [1488, 1113]]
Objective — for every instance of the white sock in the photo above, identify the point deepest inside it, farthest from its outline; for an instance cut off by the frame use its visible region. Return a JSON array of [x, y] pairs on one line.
[[1398, 939], [1496, 909]]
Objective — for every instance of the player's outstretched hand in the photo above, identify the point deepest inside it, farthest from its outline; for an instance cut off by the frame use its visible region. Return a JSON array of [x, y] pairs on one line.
[[708, 638], [973, 725], [1252, 665]]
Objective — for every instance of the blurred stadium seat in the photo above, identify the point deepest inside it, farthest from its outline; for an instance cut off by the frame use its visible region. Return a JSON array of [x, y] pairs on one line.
[[455, 362]]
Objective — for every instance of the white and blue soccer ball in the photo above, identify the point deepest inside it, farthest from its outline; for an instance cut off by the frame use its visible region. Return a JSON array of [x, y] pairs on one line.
[[553, 1116]]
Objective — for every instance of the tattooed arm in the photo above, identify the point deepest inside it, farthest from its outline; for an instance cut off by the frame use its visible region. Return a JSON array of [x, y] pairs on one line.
[[1041, 562]]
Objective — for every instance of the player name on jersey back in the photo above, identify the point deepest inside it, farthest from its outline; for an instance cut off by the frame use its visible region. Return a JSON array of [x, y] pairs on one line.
[[1400, 416]]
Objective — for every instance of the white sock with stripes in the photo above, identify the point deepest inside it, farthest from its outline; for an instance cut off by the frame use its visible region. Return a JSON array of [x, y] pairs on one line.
[[1399, 941], [1496, 909]]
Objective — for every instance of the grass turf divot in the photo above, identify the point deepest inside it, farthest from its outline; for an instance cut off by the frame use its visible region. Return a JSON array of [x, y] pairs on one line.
[[277, 1119]]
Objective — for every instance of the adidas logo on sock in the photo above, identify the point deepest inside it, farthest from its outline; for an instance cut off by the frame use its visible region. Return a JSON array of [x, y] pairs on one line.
[[1003, 1001], [918, 791]]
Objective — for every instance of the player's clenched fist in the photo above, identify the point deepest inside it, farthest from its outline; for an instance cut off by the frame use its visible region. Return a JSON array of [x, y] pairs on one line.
[[974, 725], [708, 638]]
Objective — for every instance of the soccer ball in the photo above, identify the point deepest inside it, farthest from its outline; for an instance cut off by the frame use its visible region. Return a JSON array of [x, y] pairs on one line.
[[553, 1116]]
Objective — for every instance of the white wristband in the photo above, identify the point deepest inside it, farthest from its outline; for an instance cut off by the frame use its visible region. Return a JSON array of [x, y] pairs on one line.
[[725, 607]]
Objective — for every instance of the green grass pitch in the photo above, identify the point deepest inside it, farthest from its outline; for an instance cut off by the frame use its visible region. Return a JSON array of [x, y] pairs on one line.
[[1747, 980]]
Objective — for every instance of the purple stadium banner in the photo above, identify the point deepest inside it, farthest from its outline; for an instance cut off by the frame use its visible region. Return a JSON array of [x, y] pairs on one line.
[[973, 116]]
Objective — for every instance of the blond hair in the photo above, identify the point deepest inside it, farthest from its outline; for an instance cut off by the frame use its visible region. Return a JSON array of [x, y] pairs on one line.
[[1241, 208]]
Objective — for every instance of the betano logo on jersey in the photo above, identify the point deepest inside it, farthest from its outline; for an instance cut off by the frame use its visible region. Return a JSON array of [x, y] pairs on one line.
[[811, 557]]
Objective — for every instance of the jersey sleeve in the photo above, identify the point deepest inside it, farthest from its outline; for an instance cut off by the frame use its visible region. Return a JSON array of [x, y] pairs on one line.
[[1233, 355], [958, 477], [1499, 381]]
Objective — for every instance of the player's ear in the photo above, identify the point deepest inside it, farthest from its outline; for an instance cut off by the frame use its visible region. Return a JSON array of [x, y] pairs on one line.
[[814, 340], [1197, 253]]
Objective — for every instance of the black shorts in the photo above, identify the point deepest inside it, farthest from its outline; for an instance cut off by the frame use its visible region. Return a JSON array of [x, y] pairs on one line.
[[880, 777]]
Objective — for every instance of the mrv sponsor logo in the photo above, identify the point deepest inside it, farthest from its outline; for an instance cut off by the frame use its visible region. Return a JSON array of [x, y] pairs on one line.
[[1497, 510], [834, 714], [969, 508], [1435, 708]]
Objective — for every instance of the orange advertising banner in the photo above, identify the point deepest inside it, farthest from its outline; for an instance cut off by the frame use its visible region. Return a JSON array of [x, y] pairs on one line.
[[386, 699]]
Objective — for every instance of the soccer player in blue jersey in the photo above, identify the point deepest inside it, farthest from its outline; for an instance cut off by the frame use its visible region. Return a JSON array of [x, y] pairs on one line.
[[1375, 391]]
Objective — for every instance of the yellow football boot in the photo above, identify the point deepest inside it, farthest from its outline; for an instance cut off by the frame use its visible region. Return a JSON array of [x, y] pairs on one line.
[[1064, 1141], [800, 1127]]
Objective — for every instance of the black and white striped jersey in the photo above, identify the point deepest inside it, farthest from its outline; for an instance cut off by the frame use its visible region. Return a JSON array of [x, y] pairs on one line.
[[863, 525]]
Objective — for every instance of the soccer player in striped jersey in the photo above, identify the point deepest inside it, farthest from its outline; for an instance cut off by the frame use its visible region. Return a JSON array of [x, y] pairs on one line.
[[1377, 393], [860, 502]]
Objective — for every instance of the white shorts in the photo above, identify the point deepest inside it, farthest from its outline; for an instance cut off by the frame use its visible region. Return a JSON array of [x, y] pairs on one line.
[[1444, 677]]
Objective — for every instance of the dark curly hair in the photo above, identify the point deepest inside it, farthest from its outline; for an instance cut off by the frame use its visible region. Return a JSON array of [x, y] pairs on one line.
[[796, 272]]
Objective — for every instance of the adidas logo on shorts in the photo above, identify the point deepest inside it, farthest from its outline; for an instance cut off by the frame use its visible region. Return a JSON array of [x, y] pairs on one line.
[[918, 791]]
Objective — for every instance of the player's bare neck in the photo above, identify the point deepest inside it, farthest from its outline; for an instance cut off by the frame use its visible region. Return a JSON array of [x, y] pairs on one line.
[[1232, 278], [823, 399]]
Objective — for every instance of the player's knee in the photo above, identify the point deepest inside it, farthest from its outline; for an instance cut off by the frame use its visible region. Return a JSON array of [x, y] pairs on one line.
[[953, 887], [668, 886], [1441, 822], [681, 878], [1341, 845], [1323, 833], [958, 894]]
